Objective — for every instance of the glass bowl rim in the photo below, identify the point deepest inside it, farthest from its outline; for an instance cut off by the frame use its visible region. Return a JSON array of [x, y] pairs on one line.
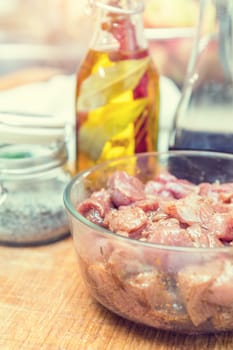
[[83, 174]]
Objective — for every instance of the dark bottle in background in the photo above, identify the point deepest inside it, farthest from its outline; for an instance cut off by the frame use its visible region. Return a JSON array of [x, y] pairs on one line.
[[204, 116]]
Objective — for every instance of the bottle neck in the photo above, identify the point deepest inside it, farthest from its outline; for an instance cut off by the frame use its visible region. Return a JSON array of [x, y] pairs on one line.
[[221, 33], [119, 26]]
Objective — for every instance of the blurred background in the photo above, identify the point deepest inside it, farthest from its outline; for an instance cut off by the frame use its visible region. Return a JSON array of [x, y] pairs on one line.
[[42, 43], [55, 33]]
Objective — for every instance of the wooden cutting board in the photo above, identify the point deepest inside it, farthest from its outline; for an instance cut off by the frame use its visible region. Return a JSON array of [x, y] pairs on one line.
[[44, 305]]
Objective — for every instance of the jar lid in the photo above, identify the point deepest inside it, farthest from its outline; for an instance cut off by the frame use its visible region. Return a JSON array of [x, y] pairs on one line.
[[30, 145], [24, 128], [30, 160]]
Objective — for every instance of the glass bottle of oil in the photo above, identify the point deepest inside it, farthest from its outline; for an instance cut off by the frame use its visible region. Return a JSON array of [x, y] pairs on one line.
[[117, 90]]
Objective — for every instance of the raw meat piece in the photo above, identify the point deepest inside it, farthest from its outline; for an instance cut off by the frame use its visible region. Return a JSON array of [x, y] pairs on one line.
[[202, 238], [125, 189], [220, 292], [96, 207], [222, 226], [194, 282], [190, 210], [167, 232], [126, 219]]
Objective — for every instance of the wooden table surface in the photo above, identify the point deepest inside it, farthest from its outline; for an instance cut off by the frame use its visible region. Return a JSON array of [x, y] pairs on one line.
[[44, 305]]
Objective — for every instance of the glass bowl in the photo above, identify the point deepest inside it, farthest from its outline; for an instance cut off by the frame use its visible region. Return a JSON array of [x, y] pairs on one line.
[[187, 288]]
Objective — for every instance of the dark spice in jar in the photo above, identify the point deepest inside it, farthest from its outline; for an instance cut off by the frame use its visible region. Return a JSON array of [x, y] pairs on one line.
[[32, 181], [33, 213]]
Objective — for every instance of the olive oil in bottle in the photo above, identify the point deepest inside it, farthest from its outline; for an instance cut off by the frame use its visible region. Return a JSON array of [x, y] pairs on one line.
[[117, 91]]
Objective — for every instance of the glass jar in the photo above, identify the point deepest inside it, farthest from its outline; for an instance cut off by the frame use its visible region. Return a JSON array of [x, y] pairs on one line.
[[33, 175], [117, 94], [204, 119]]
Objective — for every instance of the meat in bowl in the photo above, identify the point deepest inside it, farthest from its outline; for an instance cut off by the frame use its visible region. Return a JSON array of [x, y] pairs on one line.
[[168, 261]]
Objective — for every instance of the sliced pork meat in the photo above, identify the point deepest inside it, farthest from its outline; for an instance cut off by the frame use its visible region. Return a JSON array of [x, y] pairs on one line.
[[167, 232], [153, 188], [126, 219], [180, 188], [206, 286], [96, 207], [194, 284], [206, 190], [150, 289], [202, 238], [222, 226], [168, 186], [126, 263], [217, 192], [190, 210], [220, 292], [125, 189], [147, 205]]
